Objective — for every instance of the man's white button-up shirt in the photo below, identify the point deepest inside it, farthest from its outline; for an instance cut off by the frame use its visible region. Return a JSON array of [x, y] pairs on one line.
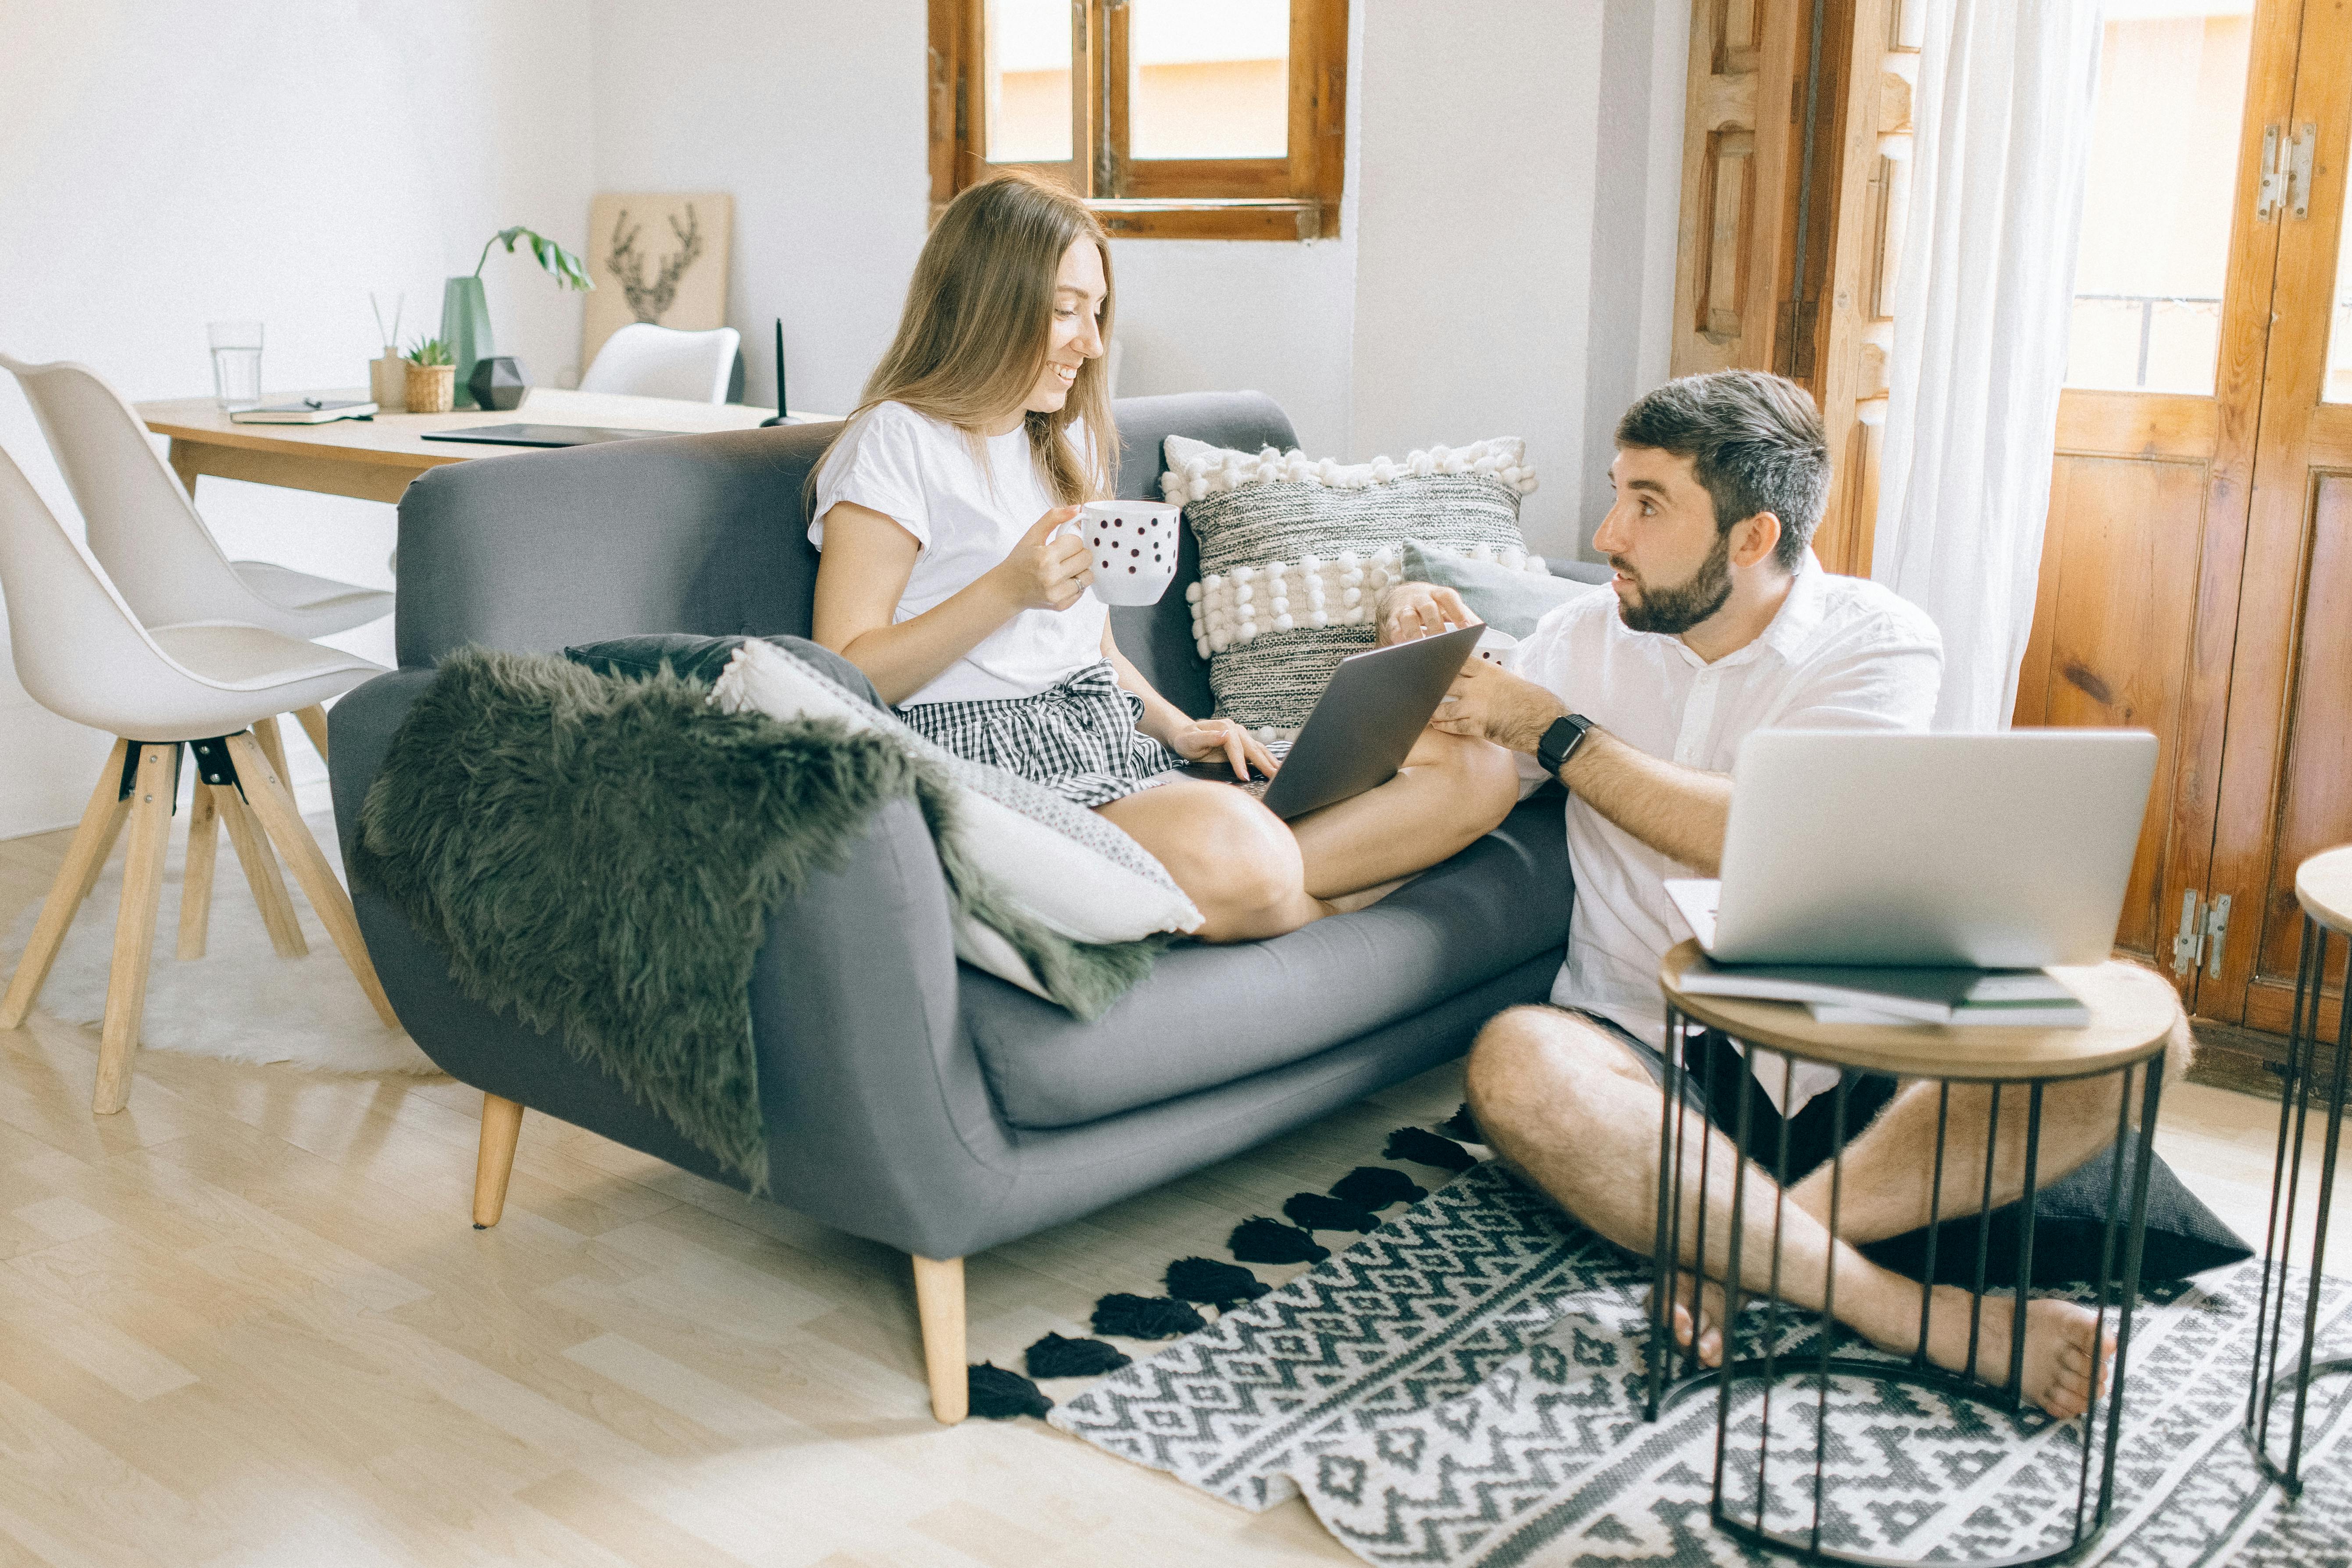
[[1844, 653]]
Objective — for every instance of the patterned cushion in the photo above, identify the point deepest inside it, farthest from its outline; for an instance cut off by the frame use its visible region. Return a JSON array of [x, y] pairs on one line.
[[1294, 553]]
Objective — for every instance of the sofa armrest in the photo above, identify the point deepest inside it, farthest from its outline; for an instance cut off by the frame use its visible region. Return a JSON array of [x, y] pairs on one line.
[[871, 1095]]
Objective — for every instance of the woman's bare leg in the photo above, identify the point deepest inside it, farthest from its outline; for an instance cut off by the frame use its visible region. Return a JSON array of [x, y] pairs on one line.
[[1451, 793], [1233, 858]]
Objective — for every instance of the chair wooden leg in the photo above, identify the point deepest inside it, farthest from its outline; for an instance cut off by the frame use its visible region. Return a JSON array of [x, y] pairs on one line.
[[197, 885], [102, 819], [313, 721], [266, 792], [939, 1304], [501, 1125], [260, 872], [273, 746], [134, 928]]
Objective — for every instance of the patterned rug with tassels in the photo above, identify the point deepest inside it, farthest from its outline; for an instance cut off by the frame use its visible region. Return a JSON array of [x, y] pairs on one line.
[[1462, 1386]]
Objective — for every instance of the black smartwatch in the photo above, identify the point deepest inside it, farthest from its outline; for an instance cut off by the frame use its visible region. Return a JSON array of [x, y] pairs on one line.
[[1560, 741]]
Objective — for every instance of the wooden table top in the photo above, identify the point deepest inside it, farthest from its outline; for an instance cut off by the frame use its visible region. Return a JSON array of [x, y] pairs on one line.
[[395, 440], [2323, 885], [2133, 1008]]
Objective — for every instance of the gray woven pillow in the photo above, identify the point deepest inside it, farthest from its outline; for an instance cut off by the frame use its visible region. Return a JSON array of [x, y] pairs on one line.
[[1294, 552]]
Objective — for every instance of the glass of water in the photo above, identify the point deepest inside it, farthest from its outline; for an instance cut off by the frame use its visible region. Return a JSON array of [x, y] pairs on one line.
[[237, 364]]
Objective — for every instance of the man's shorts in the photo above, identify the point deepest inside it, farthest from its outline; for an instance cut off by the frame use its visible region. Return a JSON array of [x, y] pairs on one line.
[[1811, 1136]]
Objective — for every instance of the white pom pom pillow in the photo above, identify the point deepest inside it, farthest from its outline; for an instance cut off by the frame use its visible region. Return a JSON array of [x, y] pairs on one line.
[[1294, 553]]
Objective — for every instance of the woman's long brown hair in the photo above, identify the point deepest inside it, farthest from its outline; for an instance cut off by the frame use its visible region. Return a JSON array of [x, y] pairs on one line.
[[971, 340]]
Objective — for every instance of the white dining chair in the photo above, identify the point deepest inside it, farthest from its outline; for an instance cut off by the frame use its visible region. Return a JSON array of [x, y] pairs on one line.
[[82, 653], [645, 361], [146, 532]]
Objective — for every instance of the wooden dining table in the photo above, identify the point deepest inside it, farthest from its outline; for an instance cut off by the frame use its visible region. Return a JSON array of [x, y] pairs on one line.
[[374, 459]]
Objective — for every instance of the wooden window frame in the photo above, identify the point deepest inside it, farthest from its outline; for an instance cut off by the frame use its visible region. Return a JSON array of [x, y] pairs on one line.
[[1295, 197]]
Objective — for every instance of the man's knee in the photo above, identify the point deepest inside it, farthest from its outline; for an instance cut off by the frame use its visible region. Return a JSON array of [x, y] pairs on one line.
[[1531, 1061]]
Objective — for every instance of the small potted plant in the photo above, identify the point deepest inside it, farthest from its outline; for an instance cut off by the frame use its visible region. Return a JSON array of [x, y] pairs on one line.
[[466, 314], [432, 377]]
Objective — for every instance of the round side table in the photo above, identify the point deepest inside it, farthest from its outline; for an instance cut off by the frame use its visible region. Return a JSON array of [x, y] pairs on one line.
[[2323, 885], [2133, 1012]]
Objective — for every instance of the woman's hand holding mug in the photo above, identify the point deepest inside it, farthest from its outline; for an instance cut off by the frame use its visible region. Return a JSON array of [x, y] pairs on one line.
[[1049, 568]]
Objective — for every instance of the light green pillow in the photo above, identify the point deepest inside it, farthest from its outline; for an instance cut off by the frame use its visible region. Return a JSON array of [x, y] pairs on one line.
[[1511, 601]]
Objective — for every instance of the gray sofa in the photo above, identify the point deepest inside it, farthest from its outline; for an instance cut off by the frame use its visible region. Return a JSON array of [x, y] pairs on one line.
[[907, 1098]]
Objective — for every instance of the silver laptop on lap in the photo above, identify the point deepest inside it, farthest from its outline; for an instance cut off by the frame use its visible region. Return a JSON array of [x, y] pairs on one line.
[[2007, 851]]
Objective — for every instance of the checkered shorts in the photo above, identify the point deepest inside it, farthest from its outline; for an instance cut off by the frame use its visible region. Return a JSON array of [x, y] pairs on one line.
[[1078, 738]]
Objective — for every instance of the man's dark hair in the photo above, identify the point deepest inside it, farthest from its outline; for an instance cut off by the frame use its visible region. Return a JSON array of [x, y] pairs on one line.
[[1755, 442]]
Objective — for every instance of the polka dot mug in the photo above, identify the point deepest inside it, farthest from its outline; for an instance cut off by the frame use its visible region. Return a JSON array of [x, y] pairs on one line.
[[1134, 545]]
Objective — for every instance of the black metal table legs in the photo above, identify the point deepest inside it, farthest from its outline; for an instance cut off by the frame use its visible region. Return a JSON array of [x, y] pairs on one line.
[[2270, 1328], [1783, 1495]]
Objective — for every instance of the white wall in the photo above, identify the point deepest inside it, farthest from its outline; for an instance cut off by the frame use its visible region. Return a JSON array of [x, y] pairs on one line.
[[165, 164], [813, 114], [1474, 246]]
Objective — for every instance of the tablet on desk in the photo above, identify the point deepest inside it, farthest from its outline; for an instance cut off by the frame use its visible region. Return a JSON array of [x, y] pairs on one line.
[[542, 435]]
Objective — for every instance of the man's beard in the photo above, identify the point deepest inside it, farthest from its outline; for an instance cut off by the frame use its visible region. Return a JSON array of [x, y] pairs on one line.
[[1684, 604]]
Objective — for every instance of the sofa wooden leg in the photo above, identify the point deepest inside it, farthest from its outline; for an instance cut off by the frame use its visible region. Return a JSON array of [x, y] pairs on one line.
[[938, 1303], [501, 1125]]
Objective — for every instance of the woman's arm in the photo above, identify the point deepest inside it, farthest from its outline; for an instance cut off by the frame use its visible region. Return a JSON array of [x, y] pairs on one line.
[[864, 570], [1179, 732]]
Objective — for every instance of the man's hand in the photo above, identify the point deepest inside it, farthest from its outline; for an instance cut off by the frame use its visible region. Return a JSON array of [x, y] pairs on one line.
[[1491, 704], [1412, 610]]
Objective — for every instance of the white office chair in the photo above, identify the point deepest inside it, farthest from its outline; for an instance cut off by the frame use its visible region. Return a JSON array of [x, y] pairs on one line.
[[83, 654], [646, 361]]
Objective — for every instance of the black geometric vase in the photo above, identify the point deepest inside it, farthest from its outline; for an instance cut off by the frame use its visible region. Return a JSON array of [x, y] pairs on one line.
[[497, 383]]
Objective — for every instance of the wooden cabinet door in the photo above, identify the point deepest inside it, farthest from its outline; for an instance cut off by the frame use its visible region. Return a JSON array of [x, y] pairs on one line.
[[2138, 618], [2286, 775]]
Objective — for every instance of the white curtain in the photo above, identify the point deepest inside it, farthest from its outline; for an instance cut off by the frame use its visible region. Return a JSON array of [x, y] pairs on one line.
[[2002, 123]]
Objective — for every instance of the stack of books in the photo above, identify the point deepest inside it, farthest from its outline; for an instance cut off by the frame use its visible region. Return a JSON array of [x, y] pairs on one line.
[[1872, 994]]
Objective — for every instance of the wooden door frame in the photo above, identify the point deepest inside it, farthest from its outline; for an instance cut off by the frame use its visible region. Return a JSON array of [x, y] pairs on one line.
[[2298, 434], [2218, 430]]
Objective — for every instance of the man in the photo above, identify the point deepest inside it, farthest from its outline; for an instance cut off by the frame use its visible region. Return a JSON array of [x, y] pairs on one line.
[[1721, 622]]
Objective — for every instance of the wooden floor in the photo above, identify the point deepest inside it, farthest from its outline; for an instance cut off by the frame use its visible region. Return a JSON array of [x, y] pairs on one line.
[[246, 1321]]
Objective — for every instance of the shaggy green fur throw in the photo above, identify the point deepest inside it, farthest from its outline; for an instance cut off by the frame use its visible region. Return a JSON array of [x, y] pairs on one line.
[[596, 854]]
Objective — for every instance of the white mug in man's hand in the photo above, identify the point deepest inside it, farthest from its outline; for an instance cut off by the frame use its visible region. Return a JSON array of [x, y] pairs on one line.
[[1134, 545]]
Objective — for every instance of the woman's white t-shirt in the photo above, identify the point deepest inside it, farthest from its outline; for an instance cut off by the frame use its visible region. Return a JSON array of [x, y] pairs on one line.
[[922, 473]]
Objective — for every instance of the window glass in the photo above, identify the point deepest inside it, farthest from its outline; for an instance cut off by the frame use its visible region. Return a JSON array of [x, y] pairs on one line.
[[2156, 207], [1027, 80], [1211, 78]]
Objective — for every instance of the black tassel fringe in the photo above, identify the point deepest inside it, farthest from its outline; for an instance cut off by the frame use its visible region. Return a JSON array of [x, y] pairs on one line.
[[1146, 1318], [1263, 1240], [1054, 1356], [1214, 1284], [1424, 1147], [999, 1396], [1313, 1211], [1376, 1187], [1462, 1125]]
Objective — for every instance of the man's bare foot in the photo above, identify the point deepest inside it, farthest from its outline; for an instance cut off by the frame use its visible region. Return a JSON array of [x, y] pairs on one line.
[[1709, 1303], [2058, 1339]]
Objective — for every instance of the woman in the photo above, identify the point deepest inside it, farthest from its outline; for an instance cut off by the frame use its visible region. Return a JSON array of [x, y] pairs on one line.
[[948, 578]]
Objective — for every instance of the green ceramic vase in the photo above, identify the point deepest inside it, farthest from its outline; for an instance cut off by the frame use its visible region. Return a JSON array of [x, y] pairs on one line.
[[466, 328]]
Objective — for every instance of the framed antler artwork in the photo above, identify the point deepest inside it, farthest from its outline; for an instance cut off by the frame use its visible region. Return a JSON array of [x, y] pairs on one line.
[[659, 258]]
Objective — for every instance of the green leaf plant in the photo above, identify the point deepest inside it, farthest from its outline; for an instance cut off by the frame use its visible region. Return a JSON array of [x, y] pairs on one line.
[[428, 352], [560, 264]]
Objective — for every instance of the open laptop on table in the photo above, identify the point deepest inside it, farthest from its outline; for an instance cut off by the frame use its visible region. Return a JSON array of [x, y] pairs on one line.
[[2007, 851], [1363, 725]]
